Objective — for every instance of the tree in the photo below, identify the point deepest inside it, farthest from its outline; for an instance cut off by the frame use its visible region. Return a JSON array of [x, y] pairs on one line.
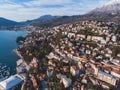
[[20, 38], [90, 85], [115, 51], [67, 47]]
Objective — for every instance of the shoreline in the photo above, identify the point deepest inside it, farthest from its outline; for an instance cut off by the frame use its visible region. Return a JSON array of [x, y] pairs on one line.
[[17, 53], [8, 45], [20, 62]]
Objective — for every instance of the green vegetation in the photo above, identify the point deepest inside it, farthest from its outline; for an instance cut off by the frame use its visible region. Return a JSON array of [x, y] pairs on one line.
[[87, 31], [20, 38], [38, 52], [115, 51], [92, 87], [67, 47], [94, 45]]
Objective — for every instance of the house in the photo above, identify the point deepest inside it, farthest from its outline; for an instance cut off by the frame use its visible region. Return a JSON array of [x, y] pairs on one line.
[[118, 54], [115, 73], [83, 59], [88, 51], [93, 80], [35, 84], [84, 80], [80, 65], [82, 87], [96, 38], [49, 72], [89, 38], [104, 85], [34, 62], [76, 85], [44, 85], [107, 38], [108, 78], [71, 35], [52, 55], [66, 68], [50, 62], [66, 81], [114, 38], [74, 70]]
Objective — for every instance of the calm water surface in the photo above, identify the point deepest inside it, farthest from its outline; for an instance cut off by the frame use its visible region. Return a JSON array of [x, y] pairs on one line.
[[7, 44]]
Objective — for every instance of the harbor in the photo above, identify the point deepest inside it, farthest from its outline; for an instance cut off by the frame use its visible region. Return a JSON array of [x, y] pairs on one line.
[[4, 71]]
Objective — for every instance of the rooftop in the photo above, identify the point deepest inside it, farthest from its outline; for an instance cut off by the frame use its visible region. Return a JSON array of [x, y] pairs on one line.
[[10, 82]]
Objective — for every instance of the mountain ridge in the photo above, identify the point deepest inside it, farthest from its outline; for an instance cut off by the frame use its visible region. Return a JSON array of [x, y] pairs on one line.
[[41, 19], [112, 7], [7, 22], [107, 12]]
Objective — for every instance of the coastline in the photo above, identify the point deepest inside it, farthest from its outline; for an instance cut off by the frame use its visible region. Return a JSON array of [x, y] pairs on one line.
[[7, 45], [20, 62], [17, 53]]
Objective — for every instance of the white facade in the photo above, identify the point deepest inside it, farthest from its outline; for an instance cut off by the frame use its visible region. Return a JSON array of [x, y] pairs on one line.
[[114, 38], [71, 35], [49, 73], [107, 78], [74, 70], [115, 74], [10, 82], [66, 82]]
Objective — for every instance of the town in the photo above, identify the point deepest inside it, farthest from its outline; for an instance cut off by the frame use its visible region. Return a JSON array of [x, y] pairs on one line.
[[83, 55]]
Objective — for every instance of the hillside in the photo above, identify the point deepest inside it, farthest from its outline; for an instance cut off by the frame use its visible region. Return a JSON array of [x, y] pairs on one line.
[[6, 22], [41, 19], [107, 12]]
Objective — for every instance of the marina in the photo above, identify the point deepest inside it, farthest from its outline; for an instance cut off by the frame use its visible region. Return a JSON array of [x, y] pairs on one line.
[[4, 71]]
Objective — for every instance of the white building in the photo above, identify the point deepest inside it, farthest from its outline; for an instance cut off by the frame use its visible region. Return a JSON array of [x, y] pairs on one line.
[[107, 78], [71, 35], [49, 72], [52, 55], [115, 73], [66, 82], [114, 38], [11, 82], [96, 38], [74, 70]]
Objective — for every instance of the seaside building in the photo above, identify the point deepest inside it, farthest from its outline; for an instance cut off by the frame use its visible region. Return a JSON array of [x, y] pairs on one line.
[[11, 82]]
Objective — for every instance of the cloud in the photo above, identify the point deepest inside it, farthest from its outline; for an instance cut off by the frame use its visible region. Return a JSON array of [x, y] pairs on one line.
[[21, 10], [50, 2], [10, 6]]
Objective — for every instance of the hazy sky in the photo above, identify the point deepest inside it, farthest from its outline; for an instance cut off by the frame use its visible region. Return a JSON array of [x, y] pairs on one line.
[[21, 10]]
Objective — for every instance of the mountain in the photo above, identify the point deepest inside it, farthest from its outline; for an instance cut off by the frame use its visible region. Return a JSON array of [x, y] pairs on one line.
[[9, 24], [112, 7], [6, 22], [57, 21], [107, 12], [41, 19]]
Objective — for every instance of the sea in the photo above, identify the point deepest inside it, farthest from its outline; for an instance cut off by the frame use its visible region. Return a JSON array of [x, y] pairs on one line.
[[7, 57]]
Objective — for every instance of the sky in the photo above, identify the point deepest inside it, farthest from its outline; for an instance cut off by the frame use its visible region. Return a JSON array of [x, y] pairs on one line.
[[22, 10]]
